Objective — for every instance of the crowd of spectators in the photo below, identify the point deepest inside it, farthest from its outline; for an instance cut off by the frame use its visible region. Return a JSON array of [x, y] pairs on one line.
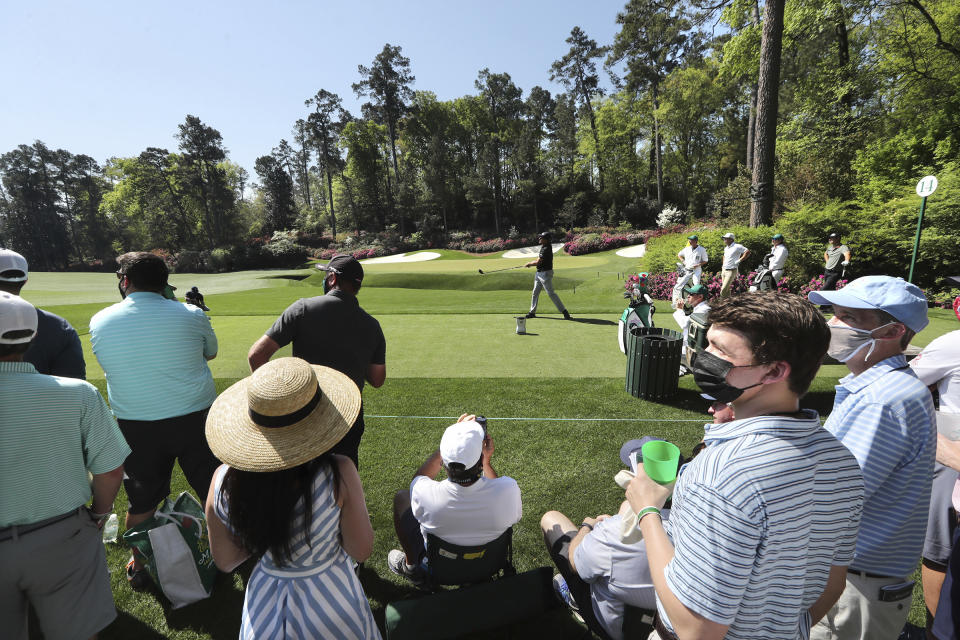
[[777, 527]]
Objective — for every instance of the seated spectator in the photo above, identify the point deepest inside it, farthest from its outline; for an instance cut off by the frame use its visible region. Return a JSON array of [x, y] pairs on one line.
[[599, 573], [472, 506], [283, 498]]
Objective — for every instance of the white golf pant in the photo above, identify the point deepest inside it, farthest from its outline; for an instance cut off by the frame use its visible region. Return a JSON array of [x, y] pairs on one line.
[[543, 280], [683, 280]]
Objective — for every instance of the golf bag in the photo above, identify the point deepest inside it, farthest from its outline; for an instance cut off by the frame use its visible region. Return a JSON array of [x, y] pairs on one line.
[[697, 326], [763, 278], [639, 312]]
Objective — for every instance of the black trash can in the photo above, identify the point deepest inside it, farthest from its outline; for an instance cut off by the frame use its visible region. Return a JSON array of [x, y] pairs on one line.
[[653, 362]]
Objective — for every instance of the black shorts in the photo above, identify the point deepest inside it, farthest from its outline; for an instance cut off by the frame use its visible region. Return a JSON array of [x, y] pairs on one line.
[[155, 445]]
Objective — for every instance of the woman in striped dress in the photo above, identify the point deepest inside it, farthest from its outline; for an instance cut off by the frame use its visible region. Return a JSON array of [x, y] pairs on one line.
[[283, 498]]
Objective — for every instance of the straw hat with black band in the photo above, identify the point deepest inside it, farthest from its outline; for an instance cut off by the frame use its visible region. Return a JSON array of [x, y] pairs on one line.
[[285, 414]]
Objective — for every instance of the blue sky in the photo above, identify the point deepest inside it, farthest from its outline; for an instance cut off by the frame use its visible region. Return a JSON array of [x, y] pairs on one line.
[[111, 78]]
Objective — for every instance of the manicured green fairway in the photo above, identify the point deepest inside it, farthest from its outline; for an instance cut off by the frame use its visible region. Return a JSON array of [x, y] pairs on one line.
[[451, 347]]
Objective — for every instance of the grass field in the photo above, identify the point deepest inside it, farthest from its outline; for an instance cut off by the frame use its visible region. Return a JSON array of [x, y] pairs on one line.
[[451, 347]]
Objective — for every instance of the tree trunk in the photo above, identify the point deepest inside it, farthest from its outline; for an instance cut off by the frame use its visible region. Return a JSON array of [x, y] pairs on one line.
[[761, 190], [752, 119], [657, 142], [843, 58], [396, 171], [596, 135]]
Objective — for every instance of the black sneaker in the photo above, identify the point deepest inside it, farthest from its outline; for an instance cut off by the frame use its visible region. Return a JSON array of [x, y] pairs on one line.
[[531, 315], [566, 315]]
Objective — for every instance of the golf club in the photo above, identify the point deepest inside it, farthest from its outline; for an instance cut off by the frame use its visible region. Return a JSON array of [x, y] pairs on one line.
[[482, 272]]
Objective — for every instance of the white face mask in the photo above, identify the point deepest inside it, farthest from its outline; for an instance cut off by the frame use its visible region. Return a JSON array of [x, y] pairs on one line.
[[846, 341]]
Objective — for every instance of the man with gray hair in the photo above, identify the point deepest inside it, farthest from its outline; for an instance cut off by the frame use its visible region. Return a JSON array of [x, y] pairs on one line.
[[56, 351]]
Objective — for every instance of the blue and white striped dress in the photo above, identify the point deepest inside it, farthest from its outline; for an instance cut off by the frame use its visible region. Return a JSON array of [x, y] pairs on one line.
[[317, 595]]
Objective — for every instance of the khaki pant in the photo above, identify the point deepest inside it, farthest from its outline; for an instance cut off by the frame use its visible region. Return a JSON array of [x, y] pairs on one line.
[[859, 614], [728, 277]]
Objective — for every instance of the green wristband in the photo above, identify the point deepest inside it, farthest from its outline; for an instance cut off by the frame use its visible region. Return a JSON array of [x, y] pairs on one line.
[[647, 511]]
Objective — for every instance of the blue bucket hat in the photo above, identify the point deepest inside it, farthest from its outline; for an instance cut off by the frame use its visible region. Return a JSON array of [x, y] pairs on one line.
[[896, 296]]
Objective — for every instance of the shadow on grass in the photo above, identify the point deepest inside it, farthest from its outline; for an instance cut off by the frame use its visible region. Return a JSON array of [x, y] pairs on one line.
[[597, 321]]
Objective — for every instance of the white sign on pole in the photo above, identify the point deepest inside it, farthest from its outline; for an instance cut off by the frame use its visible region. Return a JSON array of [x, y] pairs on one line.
[[926, 186]]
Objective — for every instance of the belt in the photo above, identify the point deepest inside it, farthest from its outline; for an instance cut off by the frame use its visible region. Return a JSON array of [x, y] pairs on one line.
[[867, 574], [17, 530], [662, 631]]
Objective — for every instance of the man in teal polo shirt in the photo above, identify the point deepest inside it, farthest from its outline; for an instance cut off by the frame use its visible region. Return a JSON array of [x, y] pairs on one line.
[[154, 353], [53, 431]]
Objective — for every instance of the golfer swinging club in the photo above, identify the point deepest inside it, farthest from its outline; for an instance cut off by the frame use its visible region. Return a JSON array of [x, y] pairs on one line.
[[544, 277]]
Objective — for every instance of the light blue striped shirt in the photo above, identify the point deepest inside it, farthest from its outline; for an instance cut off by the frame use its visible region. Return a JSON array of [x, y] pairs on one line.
[[885, 417], [153, 352], [758, 520], [52, 431]]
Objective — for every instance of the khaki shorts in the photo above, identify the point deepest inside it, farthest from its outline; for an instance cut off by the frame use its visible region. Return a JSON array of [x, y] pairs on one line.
[[61, 570]]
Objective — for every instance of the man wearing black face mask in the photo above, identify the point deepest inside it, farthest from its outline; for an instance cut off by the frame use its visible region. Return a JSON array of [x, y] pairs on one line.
[[334, 331], [764, 520], [885, 416]]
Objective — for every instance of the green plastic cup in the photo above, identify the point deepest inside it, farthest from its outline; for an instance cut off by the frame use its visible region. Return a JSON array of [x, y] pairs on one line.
[[660, 460]]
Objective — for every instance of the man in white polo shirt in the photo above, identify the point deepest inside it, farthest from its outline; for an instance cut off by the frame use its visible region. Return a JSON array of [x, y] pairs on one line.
[[885, 416], [472, 506], [693, 257], [764, 520], [733, 254]]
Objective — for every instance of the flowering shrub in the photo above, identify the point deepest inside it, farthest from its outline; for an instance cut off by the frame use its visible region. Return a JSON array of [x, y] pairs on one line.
[[359, 254], [660, 285], [816, 284], [592, 242], [670, 216]]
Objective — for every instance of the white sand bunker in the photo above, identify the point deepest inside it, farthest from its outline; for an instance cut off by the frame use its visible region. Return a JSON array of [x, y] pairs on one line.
[[529, 252], [421, 256], [636, 251]]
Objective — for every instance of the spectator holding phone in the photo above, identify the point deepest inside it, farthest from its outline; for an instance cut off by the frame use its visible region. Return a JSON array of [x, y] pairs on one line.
[[471, 506]]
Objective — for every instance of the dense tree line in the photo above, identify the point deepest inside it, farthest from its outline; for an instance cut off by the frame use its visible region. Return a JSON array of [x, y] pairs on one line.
[[791, 105]]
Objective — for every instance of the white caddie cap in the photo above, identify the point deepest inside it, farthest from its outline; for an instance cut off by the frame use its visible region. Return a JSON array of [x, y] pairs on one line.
[[16, 314], [12, 261], [462, 442]]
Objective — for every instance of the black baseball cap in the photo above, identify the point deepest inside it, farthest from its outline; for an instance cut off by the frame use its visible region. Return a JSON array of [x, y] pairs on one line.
[[545, 234], [344, 265]]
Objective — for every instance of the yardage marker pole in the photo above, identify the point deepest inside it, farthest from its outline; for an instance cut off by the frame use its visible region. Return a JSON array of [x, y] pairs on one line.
[[925, 187]]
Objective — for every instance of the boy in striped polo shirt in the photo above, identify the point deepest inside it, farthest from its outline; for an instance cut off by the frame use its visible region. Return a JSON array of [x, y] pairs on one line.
[[765, 518], [884, 414]]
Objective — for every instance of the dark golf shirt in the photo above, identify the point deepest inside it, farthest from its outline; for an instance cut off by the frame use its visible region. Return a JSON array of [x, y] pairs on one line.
[[332, 330], [56, 350], [546, 258]]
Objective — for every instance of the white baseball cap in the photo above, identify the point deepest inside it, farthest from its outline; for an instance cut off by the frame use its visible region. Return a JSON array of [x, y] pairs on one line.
[[463, 443], [16, 314], [729, 235], [12, 261]]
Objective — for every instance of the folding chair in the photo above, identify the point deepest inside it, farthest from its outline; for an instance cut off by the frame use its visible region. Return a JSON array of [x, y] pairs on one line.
[[451, 564]]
